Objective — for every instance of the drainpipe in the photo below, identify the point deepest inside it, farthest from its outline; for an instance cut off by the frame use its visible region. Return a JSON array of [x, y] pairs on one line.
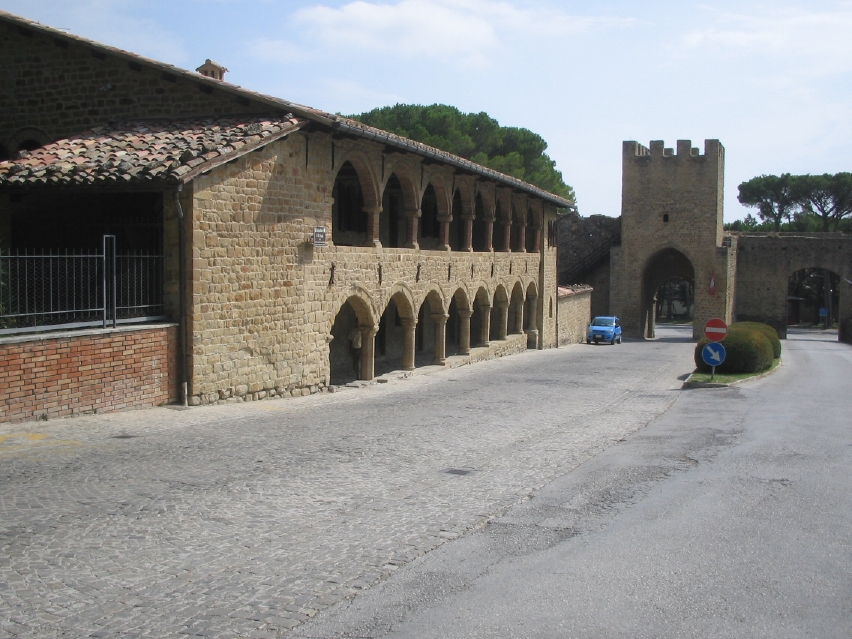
[[184, 377]]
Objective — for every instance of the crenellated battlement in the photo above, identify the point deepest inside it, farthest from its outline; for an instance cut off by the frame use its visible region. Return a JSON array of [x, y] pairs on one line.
[[657, 148]]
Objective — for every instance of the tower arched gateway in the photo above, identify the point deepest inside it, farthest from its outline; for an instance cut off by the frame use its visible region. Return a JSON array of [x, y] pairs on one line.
[[672, 226]]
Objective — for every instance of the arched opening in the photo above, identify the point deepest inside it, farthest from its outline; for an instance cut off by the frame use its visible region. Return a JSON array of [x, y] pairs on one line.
[[349, 221], [480, 226], [675, 302], [666, 265], [499, 314], [429, 229], [391, 221], [457, 224], [517, 236], [500, 230], [516, 310], [29, 145], [480, 319], [813, 299], [391, 343], [530, 316], [346, 351], [530, 231], [429, 345]]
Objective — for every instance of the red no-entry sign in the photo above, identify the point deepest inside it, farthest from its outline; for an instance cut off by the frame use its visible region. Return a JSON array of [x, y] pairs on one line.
[[715, 330]]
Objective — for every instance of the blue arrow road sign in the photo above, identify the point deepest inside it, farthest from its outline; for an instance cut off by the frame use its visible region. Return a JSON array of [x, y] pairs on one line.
[[713, 354]]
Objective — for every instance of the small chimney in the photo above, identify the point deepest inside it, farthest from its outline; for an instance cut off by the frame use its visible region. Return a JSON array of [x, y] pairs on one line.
[[212, 70]]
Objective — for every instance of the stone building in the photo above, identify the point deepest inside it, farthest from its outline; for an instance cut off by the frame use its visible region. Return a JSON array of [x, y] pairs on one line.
[[285, 236], [672, 226], [671, 230]]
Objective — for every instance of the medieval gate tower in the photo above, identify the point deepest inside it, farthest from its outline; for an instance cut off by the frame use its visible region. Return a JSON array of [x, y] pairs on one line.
[[672, 226]]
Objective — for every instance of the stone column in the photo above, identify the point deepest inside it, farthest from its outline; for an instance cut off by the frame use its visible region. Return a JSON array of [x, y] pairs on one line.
[[467, 220], [409, 325], [373, 216], [532, 322], [413, 216], [537, 239], [485, 329], [507, 236], [522, 239], [368, 351], [444, 233], [464, 331], [489, 235], [440, 320], [519, 316], [502, 327]]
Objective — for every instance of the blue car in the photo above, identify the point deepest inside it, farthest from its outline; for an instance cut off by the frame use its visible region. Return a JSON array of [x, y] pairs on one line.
[[604, 329]]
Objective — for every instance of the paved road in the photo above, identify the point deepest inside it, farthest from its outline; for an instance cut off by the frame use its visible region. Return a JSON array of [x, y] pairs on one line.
[[728, 516], [248, 519]]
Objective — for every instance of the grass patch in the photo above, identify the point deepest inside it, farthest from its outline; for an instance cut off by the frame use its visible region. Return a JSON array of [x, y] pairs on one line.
[[730, 378]]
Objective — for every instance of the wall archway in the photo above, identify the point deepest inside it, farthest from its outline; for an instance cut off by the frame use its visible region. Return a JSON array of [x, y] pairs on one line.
[[665, 264]]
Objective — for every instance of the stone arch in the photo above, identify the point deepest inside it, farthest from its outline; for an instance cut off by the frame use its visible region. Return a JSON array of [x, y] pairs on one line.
[[430, 334], [362, 302], [351, 331], [515, 319], [455, 238], [408, 179], [531, 323], [395, 337], [500, 313], [665, 263], [480, 320], [26, 139], [458, 321], [483, 221], [366, 175], [503, 221], [404, 298]]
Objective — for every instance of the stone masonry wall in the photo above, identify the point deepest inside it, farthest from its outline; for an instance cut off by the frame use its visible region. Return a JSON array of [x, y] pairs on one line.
[[59, 88], [263, 299], [671, 202], [765, 263], [60, 374], [575, 305]]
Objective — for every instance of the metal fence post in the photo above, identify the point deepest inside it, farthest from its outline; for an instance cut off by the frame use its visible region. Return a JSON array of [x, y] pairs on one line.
[[109, 283]]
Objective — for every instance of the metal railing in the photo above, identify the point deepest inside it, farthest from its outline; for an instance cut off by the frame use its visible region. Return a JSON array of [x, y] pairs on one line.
[[75, 289]]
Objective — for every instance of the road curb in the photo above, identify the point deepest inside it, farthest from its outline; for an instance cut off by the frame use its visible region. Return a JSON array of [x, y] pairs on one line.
[[694, 384]]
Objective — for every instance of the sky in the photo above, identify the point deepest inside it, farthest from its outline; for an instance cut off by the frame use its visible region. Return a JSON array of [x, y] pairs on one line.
[[771, 80]]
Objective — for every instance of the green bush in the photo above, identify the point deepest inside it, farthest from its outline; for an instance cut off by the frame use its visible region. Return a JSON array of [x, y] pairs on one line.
[[767, 330], [746, 351]]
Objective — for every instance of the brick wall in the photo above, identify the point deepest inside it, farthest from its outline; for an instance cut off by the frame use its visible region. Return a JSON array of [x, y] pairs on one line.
[[68, 374], [574, 314]]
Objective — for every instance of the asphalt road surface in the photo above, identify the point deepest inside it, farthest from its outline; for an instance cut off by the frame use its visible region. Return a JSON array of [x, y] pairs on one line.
[[571, 492], [729, 515]]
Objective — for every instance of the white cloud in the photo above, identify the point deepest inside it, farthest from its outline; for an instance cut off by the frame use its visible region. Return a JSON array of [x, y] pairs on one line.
[[815, 42], [463, 31]]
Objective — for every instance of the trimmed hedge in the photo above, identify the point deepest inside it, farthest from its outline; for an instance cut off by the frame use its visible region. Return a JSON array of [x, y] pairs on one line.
[[746, 351], [767, 330]]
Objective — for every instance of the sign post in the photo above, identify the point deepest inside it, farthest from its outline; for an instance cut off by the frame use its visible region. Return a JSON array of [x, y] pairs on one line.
[[714, 353]]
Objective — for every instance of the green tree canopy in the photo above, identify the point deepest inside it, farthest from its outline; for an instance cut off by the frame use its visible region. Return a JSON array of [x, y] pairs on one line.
[[810, 203], [773, 196], [826, 196], [475, 136]]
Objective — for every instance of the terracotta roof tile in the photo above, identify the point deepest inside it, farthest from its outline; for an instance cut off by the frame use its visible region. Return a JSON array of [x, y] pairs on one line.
[[144, 151]]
